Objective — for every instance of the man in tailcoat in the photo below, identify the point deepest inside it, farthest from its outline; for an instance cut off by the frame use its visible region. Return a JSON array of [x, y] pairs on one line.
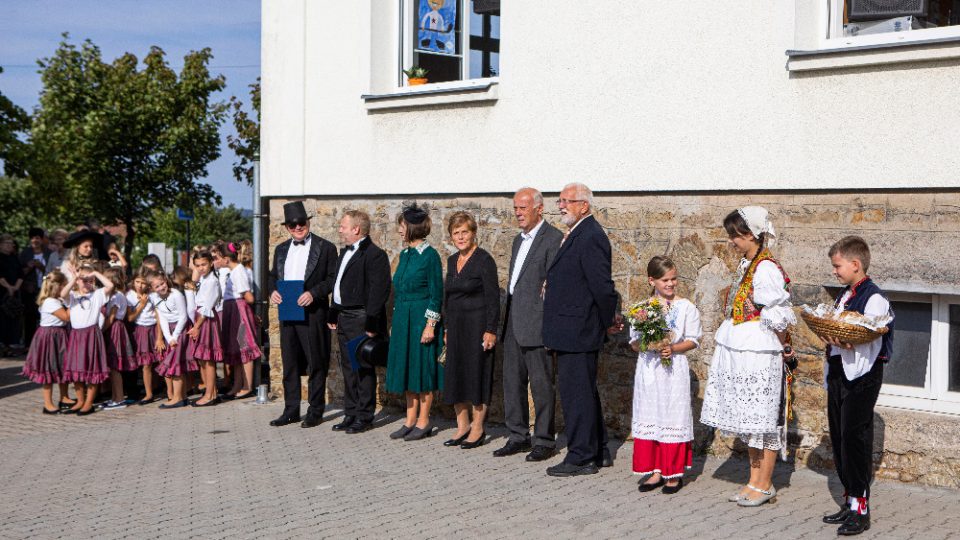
[[304, 345], [579, 310], [360, 294], [525, 361]]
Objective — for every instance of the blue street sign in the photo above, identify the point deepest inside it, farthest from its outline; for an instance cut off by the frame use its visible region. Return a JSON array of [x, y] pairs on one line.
[[184, 215]]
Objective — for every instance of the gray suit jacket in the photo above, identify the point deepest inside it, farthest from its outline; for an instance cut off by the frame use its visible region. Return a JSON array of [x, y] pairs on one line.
[[525, 315]]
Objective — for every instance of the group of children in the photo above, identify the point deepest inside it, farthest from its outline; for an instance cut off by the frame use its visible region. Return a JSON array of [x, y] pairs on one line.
[[94, 328], [745, 387]]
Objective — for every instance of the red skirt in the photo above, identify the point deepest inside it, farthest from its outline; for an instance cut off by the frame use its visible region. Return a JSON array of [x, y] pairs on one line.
[[668, 459], [176, 362], [85, 359], [207, 345], [239, 344], [119, 349], [44, 363], [144, 344]]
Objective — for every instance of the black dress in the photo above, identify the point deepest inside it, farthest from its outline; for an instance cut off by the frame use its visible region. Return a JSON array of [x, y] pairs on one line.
[[10, 323], [471, 307]]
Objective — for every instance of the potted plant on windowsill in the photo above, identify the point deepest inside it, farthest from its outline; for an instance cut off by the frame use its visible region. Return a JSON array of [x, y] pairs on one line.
[[416, 75]]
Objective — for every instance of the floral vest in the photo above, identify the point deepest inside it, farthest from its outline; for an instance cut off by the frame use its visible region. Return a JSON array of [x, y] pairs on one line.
[[740, 297]]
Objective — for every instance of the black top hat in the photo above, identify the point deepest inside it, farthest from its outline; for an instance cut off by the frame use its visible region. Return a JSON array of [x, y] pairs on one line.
[[294, 211], [80, 236], [373, 351], [414, 214]]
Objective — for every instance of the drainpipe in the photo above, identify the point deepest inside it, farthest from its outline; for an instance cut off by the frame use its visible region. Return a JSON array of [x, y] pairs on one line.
[[259, 250]]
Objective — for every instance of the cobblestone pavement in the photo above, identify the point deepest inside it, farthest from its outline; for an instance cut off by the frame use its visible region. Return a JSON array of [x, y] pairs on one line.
[[223, 472]]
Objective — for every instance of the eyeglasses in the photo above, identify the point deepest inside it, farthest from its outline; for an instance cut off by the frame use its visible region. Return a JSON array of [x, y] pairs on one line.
[[564, 202], [295, 224]]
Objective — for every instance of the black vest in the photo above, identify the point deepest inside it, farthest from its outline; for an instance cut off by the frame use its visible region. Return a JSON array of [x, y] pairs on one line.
[[858, 303]]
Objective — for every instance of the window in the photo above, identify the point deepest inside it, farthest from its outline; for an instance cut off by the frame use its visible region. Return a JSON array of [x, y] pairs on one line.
[[852, 23], [924, 369], [453, 40]]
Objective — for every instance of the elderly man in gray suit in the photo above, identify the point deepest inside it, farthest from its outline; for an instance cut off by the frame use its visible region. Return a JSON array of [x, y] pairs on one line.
[[524, 359]]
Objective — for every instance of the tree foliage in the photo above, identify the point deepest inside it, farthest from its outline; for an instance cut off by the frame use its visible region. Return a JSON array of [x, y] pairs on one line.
[[115, 141], [209, 223], [14, 123], [246, 144]]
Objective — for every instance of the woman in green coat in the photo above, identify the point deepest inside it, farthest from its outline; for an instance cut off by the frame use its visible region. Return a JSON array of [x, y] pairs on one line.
[[416, 337]]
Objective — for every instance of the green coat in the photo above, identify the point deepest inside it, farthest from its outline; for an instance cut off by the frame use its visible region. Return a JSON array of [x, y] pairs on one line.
[[418, 294]]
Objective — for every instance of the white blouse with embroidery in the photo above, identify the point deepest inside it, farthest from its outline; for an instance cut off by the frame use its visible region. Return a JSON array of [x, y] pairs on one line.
[[769, 291]]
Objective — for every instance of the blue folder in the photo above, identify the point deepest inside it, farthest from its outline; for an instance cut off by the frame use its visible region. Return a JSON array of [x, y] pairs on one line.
[[352, 347], [288, 310]]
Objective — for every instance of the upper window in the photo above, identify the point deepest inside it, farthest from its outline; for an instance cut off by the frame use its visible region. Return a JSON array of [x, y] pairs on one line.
[[878, 22], [451, 40]]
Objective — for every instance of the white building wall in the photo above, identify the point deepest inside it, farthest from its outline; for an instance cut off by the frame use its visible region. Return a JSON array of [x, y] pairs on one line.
[[622, 95]]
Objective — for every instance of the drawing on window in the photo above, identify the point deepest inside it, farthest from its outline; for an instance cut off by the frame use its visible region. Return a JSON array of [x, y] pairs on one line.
[[435, 30]]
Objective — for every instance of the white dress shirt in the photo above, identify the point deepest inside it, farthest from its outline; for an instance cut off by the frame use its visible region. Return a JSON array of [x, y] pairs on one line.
[[343, 265], [172, 309], [859, 360], [148, 316], [295, 266], [85, 308], [208, 295], [526, 241], [47, 310]]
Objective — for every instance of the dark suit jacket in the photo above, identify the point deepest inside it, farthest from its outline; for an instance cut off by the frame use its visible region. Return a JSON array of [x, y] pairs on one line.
[[525, 315], [580, 301], [365, 284], [320, 273], [30, 274]]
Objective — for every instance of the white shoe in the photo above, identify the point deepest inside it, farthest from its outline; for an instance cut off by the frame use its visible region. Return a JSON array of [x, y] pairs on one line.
[[768, 496]]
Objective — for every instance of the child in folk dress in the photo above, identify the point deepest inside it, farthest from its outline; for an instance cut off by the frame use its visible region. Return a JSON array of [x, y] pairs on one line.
[[662, 424], [144, 318], [204, 345], [239, 328], [221, 269], [183, 280], [171, 341], [120, 355], [85, 361], [44, 364]]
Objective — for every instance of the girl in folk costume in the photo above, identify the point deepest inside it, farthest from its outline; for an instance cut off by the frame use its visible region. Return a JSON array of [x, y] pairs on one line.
[[204, 345], [745, 382], [120, 355], [221, 268], [240, 346], [182, 279], [85, 361], [44, 364], [143, 315], [172, 340], [662, 424]]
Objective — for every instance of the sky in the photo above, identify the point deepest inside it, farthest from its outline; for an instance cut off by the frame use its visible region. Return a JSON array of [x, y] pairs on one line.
[[31, 29]]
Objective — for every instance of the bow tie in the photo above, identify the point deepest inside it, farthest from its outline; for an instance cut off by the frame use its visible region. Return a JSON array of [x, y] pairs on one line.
[[348, 248], [299, 242]]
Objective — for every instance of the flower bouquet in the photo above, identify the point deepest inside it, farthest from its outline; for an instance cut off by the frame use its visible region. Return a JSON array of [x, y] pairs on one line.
[[649, 319]]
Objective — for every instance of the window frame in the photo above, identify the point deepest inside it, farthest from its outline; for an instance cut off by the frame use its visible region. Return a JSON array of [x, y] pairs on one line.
[[831, 18], [935, 395]]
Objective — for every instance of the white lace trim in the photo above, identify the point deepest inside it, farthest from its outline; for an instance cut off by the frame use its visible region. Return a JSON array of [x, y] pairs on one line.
[[743, 391], [432, 315], [665, 476]]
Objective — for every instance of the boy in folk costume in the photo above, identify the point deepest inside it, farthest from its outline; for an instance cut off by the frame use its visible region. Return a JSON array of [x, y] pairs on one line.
[[854, 374]]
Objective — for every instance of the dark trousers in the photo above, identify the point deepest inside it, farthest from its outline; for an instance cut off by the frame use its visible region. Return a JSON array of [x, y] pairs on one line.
[[850, 415], [305, 347], [580, 400], [360, 386], [31, 315], [523, 366]]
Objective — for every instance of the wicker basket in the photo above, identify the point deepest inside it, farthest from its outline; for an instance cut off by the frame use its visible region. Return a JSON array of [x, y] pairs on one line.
[[842, 331]]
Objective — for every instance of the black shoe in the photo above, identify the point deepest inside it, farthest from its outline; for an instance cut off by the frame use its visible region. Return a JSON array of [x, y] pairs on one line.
[[839, 517], [511, 448], [670, 490], [148, 401], [85, 413], [63, 405], [70, 411], [855, 524], [249, 394], [541, 453], [228, 397], [311, 421], [359, 427], [568, 469], [210, 403], [606, 460], [401, 433], [176, 405], [416, 433], [457, 441], [643, 488], [55, 411], [284, 421], [347, 422], [466, 445]]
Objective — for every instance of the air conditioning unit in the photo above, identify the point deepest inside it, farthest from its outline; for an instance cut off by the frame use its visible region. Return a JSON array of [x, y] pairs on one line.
[[868, 10]]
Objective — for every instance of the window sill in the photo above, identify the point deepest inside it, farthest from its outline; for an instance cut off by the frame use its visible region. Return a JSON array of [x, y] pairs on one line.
[[428, 95], [915, 404], [875, 54]]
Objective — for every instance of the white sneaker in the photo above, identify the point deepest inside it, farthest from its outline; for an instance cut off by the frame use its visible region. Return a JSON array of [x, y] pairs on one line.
[[111, 405]]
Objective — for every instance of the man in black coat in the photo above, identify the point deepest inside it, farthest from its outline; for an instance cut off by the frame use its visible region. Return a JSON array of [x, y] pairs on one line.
[[579, 310], [304, 345], [33, 260], [360, 295]]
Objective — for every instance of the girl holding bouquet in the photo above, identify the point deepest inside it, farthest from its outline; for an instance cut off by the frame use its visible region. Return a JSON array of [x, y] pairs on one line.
[[662, 329]]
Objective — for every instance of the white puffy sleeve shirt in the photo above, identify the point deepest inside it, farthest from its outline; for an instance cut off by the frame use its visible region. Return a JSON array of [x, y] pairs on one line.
[[769, 291], [208, 295], [119, 301], [148, 315], [172, 309], [47, 310], [85, 309], [859, 360], [190, 296], [684, 322]]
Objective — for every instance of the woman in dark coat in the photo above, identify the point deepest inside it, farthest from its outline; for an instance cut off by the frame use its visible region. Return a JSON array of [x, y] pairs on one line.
[[472, 313], [11, 308]]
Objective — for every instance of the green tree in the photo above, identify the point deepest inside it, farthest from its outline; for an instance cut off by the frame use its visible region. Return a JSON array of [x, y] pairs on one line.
[[246, 144], [116, 141], [209, 223], [14, 123]]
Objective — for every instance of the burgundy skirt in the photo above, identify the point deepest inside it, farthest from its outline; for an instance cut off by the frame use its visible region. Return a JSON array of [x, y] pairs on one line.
[[239, 344], [120, 354], [176, 362], [85, 359], [207, 345], [44, 363], [144, 344]]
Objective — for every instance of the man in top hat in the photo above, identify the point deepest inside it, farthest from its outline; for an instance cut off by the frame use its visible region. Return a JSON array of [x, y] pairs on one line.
[[360, 295], [304, 345], [33, 260]]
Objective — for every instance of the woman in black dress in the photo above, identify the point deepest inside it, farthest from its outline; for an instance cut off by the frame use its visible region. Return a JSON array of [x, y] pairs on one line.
[[472, 313]]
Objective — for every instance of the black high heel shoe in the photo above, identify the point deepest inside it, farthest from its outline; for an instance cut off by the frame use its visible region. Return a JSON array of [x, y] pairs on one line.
[[643, 488], [55, 411], [475, 444], [457, 441]]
